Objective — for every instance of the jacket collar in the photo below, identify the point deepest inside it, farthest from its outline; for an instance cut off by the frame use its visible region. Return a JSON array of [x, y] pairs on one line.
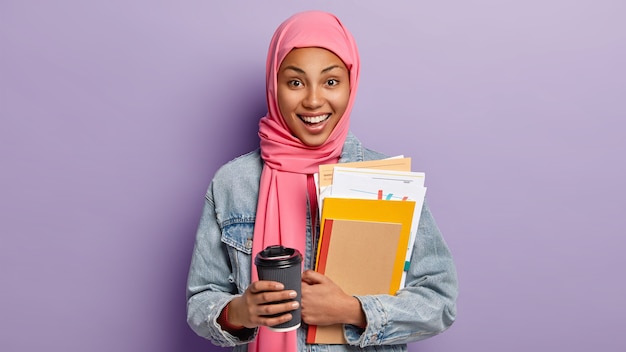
[[352, 150]]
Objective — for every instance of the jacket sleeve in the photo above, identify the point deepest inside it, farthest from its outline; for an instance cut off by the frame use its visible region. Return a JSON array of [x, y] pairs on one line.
[[426, 305], [210, 284]]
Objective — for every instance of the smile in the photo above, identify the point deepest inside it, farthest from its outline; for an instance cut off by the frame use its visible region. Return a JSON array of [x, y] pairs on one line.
[[314, 119]]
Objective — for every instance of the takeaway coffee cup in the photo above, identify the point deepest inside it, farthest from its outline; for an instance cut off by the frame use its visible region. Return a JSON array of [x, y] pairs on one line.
[[282, 264]]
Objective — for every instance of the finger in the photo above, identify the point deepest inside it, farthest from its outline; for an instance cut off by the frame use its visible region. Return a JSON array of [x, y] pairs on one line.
[[274, 314], [272, 321], [276, 309], [268, 297], [264, 285]]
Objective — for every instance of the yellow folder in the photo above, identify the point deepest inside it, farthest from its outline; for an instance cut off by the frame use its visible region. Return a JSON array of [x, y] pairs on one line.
[[367, 227]]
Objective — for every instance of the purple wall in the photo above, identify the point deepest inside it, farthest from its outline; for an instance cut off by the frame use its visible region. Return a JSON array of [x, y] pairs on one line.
[[116, 114]]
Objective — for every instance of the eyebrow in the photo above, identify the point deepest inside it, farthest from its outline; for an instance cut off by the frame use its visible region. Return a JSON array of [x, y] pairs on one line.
[[299, 70]]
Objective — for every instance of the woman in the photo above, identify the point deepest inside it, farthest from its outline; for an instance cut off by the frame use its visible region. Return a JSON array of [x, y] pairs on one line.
[[267, 197]]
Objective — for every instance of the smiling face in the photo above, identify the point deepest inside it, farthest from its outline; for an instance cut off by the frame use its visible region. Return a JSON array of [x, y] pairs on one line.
[[313, 90]]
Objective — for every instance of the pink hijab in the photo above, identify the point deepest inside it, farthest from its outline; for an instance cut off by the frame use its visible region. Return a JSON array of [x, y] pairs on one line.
[[282, 204]]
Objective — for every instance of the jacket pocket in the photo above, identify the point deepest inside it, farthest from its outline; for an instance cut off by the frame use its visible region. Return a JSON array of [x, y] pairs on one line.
[[237, 236]]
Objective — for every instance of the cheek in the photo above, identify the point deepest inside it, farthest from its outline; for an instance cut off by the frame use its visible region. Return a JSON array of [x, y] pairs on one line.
[[286, 101], [283, 105], [340, 100]]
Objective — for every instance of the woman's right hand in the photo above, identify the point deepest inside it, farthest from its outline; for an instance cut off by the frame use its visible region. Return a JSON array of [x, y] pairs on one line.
[[253, 308]]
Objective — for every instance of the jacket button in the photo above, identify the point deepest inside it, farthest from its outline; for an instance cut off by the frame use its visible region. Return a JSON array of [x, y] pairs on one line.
[[248, 244]]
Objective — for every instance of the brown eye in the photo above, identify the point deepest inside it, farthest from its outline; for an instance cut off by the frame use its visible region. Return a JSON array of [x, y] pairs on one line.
[[332, 82], [294, 83]]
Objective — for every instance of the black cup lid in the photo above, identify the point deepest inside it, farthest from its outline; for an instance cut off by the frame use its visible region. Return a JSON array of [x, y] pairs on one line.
[[278, 256]]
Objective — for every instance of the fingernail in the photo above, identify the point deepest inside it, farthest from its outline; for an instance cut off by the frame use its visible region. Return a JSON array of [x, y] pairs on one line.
[[294, 305], [292, 294], [280, 286]]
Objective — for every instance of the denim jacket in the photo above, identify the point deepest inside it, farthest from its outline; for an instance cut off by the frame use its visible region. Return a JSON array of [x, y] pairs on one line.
[[221, 262]]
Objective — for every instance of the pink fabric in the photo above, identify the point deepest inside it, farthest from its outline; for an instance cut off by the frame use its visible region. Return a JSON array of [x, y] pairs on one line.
[[281, 209]]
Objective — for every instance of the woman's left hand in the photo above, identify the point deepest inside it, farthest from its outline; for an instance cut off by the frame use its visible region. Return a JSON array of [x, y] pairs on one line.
[[325, 303]]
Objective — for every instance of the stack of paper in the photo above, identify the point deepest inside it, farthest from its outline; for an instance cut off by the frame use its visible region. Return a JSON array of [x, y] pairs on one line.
[[369, 215]]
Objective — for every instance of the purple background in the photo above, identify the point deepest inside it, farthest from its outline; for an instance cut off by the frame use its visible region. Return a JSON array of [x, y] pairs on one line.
[[116, 114]]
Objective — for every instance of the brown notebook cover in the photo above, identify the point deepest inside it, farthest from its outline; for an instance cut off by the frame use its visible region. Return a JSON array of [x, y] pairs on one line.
[[360, 257]]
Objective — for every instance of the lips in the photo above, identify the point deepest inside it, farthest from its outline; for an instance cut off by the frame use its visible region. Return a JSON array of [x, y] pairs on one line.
[[314, 119]]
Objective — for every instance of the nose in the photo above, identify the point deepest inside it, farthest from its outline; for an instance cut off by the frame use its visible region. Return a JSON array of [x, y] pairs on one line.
[[314, 98]]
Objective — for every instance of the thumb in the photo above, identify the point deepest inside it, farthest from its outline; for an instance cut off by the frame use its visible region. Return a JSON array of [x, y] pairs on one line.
[[313, 277]]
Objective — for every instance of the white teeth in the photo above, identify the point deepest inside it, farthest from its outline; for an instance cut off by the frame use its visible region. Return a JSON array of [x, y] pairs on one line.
[[314, 119]]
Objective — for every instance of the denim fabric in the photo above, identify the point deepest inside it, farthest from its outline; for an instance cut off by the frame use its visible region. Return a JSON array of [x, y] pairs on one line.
[[221, 261]]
